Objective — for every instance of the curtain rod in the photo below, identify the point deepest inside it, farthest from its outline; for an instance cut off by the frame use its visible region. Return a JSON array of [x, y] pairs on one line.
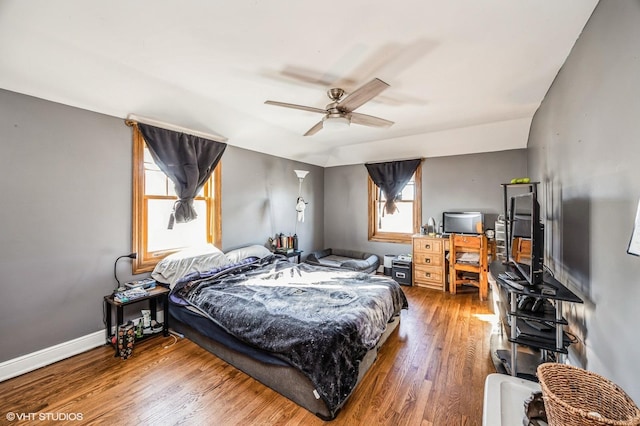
[[392, 161], [156, 123]]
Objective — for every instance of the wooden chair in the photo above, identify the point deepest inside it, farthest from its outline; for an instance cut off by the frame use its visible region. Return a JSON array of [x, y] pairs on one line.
[[468, 273], [521, 250]]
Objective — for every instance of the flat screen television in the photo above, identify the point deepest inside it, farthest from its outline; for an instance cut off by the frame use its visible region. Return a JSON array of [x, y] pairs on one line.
[[524, 220], [462, 222]]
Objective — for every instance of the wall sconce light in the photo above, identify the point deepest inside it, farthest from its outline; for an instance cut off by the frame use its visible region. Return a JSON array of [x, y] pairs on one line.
[[300, 203], [301, 174]]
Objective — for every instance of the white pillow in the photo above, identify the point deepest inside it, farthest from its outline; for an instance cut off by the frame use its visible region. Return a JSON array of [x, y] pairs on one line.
[[195, 259], [235, 256]]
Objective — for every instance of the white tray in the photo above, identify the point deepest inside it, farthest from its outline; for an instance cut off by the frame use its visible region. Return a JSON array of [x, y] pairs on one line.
[[504, 398]]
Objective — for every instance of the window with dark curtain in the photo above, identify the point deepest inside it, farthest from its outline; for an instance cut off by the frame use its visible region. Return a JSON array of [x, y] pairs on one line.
[[391, 177], [187, 160], [394, 187]]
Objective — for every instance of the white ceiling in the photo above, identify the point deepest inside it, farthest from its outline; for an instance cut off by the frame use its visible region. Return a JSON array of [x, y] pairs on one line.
[[466, 75]]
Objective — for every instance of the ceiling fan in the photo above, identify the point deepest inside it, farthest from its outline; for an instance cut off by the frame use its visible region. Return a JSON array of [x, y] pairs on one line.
[[340, 110]]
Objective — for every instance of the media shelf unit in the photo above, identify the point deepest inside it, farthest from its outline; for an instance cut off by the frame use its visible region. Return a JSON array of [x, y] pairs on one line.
[[556, 340]]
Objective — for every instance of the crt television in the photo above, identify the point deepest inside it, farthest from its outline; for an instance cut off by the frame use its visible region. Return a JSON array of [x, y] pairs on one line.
[[462, 222], [524, 220]]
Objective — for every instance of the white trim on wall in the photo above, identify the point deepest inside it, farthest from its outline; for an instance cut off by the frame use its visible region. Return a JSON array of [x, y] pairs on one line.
[[29, 362]]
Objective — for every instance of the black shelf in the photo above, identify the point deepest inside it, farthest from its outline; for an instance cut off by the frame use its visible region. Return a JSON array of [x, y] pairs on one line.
[[548, 315], [535, 343], [548, 282], [159, 293], [543, 340]]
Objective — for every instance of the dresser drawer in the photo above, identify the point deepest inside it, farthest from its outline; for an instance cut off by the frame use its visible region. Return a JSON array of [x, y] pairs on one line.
[[426, 245], [428, 274], [428, 259]]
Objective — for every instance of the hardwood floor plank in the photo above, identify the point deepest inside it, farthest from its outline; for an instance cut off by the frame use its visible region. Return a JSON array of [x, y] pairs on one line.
[[431, 371]]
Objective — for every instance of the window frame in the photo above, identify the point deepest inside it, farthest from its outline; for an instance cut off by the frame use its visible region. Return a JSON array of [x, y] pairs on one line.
[[145, 260], [394, 237]]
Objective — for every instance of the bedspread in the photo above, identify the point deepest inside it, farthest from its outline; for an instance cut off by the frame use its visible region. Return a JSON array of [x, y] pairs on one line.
[[320, 320]]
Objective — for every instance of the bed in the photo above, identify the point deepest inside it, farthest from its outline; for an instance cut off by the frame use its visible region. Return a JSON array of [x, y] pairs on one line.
[[306, 331]]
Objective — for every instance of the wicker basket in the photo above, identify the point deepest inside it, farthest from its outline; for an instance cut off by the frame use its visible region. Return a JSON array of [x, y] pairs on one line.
[[573, 397]]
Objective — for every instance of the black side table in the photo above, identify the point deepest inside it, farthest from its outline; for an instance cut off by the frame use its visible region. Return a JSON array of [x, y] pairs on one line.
[[155, 294], [295, 253]]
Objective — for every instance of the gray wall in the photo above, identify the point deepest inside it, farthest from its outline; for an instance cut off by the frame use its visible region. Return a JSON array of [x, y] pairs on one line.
[[464, 182], [66, 215], [259, 194], [584, 146]]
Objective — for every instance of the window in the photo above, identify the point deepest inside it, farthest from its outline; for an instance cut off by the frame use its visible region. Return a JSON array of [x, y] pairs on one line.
[[153, 199], [400, 226]]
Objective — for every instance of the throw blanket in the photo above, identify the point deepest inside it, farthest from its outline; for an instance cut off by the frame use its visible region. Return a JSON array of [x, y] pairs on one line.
[[320, 320]]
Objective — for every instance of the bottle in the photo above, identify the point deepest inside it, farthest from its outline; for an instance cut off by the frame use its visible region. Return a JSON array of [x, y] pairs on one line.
[[295, 241]]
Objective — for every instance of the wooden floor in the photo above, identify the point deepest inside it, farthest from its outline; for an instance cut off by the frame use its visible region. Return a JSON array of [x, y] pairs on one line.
[[430, 372]]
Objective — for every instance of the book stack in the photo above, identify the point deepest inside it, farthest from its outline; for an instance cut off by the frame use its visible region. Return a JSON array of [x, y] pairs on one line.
[[146, 283], [130, 294]]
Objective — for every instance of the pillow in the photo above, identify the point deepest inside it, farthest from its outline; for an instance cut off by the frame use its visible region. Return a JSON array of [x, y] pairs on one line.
[[195, 259], [249, 251]]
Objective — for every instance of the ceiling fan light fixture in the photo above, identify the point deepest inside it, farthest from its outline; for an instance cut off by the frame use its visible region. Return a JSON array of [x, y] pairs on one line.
[[336, 122]]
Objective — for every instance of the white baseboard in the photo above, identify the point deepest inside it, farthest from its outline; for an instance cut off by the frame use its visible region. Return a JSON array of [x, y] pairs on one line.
[[29, 362]]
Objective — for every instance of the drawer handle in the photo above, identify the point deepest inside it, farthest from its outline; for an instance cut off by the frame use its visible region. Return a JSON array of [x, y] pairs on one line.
[[427, 260], [427, 274], [401, 275], [427, 246]]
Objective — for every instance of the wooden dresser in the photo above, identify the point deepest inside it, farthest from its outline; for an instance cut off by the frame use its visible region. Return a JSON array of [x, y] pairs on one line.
[[429, 264]]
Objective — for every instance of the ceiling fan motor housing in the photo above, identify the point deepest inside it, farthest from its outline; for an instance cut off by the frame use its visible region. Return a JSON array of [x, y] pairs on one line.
[[335, 94]]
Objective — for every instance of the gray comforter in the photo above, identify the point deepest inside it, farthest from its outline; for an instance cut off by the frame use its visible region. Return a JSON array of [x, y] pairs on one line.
[[320, 320]]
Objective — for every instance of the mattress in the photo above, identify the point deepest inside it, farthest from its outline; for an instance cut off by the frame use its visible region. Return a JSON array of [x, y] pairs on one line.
[[318, 327]]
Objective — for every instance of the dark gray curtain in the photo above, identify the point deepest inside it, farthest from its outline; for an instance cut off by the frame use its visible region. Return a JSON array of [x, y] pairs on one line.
[[391, 177], [187, 160]]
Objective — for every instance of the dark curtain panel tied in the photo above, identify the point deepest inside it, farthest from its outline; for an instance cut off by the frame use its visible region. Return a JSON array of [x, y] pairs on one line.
[[391, 177], [187, 160]]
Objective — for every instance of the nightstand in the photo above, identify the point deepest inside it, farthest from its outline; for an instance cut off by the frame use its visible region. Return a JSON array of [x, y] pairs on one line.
[[154, 294], [295, 253]]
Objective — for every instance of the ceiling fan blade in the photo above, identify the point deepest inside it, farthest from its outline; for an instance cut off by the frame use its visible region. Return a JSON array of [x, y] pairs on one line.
[[309, 76], [315, 129], [369, 120], [294, 106], [362, 95]]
